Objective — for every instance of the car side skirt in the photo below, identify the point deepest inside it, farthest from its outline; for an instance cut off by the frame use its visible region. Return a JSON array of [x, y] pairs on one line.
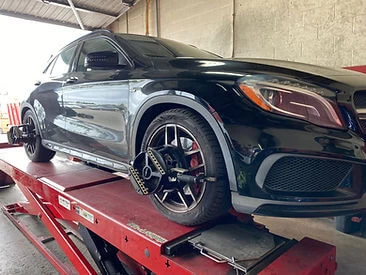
[[86, 156]]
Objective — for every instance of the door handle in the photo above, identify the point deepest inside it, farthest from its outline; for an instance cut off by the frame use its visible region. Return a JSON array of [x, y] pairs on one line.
[[72, 79]]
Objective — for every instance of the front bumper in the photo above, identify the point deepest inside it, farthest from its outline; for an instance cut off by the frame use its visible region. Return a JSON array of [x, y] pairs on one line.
[[249, 205], [284, 163]]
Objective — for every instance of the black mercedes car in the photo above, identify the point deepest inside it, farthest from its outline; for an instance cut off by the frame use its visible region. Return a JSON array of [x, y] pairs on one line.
[[199, 133]]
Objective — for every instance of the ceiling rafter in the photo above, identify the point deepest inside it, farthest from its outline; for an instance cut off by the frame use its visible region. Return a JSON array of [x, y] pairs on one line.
[[125, 8], [86, 14], [65, 4], [40, 19], [76, 14]]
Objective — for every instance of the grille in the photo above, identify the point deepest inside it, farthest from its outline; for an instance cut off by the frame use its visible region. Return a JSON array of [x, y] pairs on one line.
[[359, 99], [306, 175]]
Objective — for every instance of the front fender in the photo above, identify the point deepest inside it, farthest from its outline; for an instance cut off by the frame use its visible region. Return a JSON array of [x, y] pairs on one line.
[[187, 100]]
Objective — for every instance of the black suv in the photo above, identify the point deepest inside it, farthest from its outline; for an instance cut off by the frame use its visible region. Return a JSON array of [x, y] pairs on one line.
[[199, 133]]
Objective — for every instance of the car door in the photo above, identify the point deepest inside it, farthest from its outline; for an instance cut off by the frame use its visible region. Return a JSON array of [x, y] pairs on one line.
[[47, 97], [96, 104]]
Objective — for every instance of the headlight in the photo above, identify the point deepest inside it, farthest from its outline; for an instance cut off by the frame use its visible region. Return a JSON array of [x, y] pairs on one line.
[[292, 98]]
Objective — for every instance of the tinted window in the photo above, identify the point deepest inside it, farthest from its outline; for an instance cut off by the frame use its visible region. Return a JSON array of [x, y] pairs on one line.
[[96, 45], [151, 49], [183, 50], [157, 47], [63, 62]]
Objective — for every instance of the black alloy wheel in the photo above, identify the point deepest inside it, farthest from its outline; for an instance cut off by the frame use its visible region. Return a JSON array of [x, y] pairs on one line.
[[187, 142], [33, 147]]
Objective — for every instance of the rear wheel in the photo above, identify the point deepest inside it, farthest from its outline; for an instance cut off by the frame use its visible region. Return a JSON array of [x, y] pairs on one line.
[[34, 148], [5, 180], [189, 144]]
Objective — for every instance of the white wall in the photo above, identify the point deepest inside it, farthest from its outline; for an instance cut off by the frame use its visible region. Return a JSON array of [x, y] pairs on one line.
[[324, 32]]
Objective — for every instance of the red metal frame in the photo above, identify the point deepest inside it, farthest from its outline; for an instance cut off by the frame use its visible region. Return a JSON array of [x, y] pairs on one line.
[[63, 268], [109, 206], [307, 257]]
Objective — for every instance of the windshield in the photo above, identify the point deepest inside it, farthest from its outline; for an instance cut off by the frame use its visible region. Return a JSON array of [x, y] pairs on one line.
[[164, 48]]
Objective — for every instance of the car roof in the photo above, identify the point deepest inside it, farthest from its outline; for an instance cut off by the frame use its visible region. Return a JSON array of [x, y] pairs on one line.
[[126, 36], [109, 33]]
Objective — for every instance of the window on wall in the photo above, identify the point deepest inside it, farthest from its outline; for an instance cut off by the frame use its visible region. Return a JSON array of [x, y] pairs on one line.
[[63, 62], [97, 45]]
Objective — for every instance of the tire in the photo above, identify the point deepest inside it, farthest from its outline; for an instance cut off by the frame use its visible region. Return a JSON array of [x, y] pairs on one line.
[[34, 148], [5, 180], [196, 203]]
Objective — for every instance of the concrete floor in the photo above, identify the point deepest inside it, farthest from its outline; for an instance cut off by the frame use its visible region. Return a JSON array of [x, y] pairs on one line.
[[19, 256]]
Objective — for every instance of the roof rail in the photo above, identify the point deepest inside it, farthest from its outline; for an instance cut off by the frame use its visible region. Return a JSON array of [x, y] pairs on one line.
[[101, 30]]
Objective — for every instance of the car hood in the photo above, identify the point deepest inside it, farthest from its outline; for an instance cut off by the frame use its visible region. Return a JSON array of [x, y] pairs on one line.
[[301, 67], [236, 68]]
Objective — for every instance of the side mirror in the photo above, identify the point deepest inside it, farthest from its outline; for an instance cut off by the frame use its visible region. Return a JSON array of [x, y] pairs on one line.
[[102, 60]]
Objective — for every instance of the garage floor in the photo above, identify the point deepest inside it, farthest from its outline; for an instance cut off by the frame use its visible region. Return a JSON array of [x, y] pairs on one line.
[[19, 256]]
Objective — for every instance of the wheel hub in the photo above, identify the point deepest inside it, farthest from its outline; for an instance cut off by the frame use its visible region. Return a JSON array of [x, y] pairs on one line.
[[147, 172], [24, 133]]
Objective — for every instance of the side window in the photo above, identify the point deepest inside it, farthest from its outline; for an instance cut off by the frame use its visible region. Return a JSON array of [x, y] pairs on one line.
[[63, 62], [96, 45]]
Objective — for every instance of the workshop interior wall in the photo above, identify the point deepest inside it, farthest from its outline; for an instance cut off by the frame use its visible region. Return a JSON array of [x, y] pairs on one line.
[[323, 32]]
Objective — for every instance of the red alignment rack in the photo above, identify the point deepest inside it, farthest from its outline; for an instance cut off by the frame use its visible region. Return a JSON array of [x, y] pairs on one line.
[[108, 206]]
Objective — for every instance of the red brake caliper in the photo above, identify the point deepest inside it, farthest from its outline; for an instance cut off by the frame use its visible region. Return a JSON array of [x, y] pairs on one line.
[[194, 158], [193, 163]]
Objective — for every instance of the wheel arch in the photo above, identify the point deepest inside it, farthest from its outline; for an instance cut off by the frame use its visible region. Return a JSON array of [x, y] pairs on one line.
[[23, 108], [157, 105]]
